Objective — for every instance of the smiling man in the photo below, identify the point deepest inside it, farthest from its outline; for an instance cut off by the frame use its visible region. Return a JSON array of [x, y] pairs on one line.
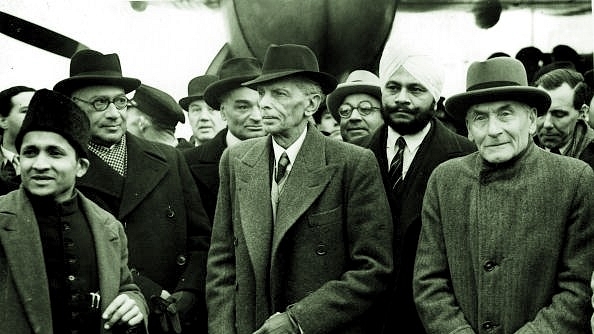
[[506, 240], [563, 129]]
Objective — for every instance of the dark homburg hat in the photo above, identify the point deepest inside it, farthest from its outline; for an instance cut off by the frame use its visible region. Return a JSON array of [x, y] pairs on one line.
[[90, 68], [196, 89], [158, 105], [232, 74], [54, 112], [496, 79]]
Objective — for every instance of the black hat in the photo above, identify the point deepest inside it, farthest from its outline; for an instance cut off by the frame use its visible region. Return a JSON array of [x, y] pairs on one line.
[[54, 112], [196, 89], [90, 68], [158, 105], [232, 74], [285, 60]]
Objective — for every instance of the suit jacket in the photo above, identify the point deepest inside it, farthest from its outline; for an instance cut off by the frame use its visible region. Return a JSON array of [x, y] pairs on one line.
[[507, 249], [167, 228], [329, 255], [24, 294], [439, 145], [204, 165]]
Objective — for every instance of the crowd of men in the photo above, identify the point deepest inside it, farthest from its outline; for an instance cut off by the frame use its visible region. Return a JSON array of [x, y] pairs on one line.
[[299, 204]]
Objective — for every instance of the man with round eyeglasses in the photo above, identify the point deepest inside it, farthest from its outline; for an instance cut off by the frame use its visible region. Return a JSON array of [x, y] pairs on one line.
[[144, 185], [355, 104]]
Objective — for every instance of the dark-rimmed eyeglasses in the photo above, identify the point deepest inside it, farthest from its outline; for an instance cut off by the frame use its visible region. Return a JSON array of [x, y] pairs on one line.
[[365, 108], [101, 103]]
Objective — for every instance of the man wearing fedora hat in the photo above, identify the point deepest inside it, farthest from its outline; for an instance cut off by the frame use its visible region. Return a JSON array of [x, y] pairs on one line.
[[302, 232], [408, 147], [153, 115], [145, 185], [506, 241], [205, 121], [356, 105], [238, 106], [63, 259]]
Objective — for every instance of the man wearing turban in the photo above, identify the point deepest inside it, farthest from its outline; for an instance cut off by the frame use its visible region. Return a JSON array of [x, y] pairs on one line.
[[410, 144]]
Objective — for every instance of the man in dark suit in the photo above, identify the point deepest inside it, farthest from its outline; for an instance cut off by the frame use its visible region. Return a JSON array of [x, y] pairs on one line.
[[411, 87], [145, 185], [238, 106], [302, 236]]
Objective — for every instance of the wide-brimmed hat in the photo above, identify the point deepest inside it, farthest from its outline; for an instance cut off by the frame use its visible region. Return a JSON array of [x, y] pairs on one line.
[[91, 68], [158, 105], [359, 81], [54, 112], [290, 59], [196, 89], [232, 74], [496, 79]]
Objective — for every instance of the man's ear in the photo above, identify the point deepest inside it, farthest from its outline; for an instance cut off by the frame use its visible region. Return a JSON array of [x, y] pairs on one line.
[[3, 122], [584, 112], [223, 112], [313, 103], [83, 167]]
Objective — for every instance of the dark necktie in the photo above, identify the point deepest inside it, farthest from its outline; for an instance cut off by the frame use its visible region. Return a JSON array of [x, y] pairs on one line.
[[555, 150], [8, 170], [281, 168], [395, 172]]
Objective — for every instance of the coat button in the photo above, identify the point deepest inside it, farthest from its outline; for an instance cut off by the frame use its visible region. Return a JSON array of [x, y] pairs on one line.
[[488, 325], [321, 249], [180, 260], [134, 271], [66, 227], [235, 242], [170, 212], [71, 278], [489, 266]]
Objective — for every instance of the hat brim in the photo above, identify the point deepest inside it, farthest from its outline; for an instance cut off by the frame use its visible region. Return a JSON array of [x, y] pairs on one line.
[[69, 85], [334, 99], [457, 105], [214, 91], [326, 81], [185, 101]]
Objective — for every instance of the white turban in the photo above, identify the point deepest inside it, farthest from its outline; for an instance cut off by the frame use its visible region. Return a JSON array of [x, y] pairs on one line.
[[423, 67]]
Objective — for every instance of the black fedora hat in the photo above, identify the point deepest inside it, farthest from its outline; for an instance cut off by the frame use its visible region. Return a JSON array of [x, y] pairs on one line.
[[91, 68], [232, 74], [196, 89], [291, 59], [158, 105], [496, 79]]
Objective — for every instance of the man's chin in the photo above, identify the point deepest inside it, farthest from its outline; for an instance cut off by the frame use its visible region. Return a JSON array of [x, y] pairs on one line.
[[405, 127]]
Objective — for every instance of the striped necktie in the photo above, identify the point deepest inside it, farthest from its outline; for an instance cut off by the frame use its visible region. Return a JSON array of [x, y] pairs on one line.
[[281, 167], [395, 172]]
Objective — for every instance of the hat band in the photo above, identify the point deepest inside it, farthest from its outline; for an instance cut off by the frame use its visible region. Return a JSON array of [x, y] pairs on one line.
[[492, 84], [101, 73]]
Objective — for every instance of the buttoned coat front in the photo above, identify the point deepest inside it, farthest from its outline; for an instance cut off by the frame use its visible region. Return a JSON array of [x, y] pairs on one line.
[[24, 292], [328, 256], [160, 207], [508, 249]]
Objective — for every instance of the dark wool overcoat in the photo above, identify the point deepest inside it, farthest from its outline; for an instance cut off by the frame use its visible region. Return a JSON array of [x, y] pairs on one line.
[[329, 254], [24, 293], [509, 248]]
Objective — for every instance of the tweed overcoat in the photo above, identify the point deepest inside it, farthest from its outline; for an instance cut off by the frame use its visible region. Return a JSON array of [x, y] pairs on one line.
[[204, 165], [508, 249], [439, 145], [160, 207], [24, 294], [329, 254]]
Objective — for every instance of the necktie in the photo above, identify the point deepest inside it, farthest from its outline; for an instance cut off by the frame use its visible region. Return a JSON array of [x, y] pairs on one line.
[[8, 170], [555, 150], [281, 167], [395, 172]]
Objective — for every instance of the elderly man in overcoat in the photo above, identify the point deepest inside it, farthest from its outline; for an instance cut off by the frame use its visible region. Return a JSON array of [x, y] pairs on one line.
[[506, 241], [302, 236], [148, 187]]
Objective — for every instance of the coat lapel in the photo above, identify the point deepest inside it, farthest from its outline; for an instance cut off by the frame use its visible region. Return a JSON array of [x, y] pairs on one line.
[[253, 175], [22, 245], [146, 168], [308, 178]]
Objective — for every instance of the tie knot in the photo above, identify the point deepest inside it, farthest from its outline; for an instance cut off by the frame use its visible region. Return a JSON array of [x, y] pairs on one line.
[[281, 168], [400, 143]]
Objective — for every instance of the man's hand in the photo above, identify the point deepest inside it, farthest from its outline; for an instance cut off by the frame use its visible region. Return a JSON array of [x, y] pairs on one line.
[[278, 323], [184, 301], [122, 309]]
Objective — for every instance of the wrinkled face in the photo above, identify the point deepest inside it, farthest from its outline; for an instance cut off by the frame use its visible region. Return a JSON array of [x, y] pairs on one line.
[[107, 126], [240, 109], [11, 124], [501, 130], [285, 107], [49, 165], [407, 105], [205, 121], [556, 127], [365, 116], [329, 126]]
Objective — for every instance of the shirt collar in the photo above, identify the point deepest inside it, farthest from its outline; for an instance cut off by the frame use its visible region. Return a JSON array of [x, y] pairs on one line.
[[413, 141], [231, 139], [291, 150]]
